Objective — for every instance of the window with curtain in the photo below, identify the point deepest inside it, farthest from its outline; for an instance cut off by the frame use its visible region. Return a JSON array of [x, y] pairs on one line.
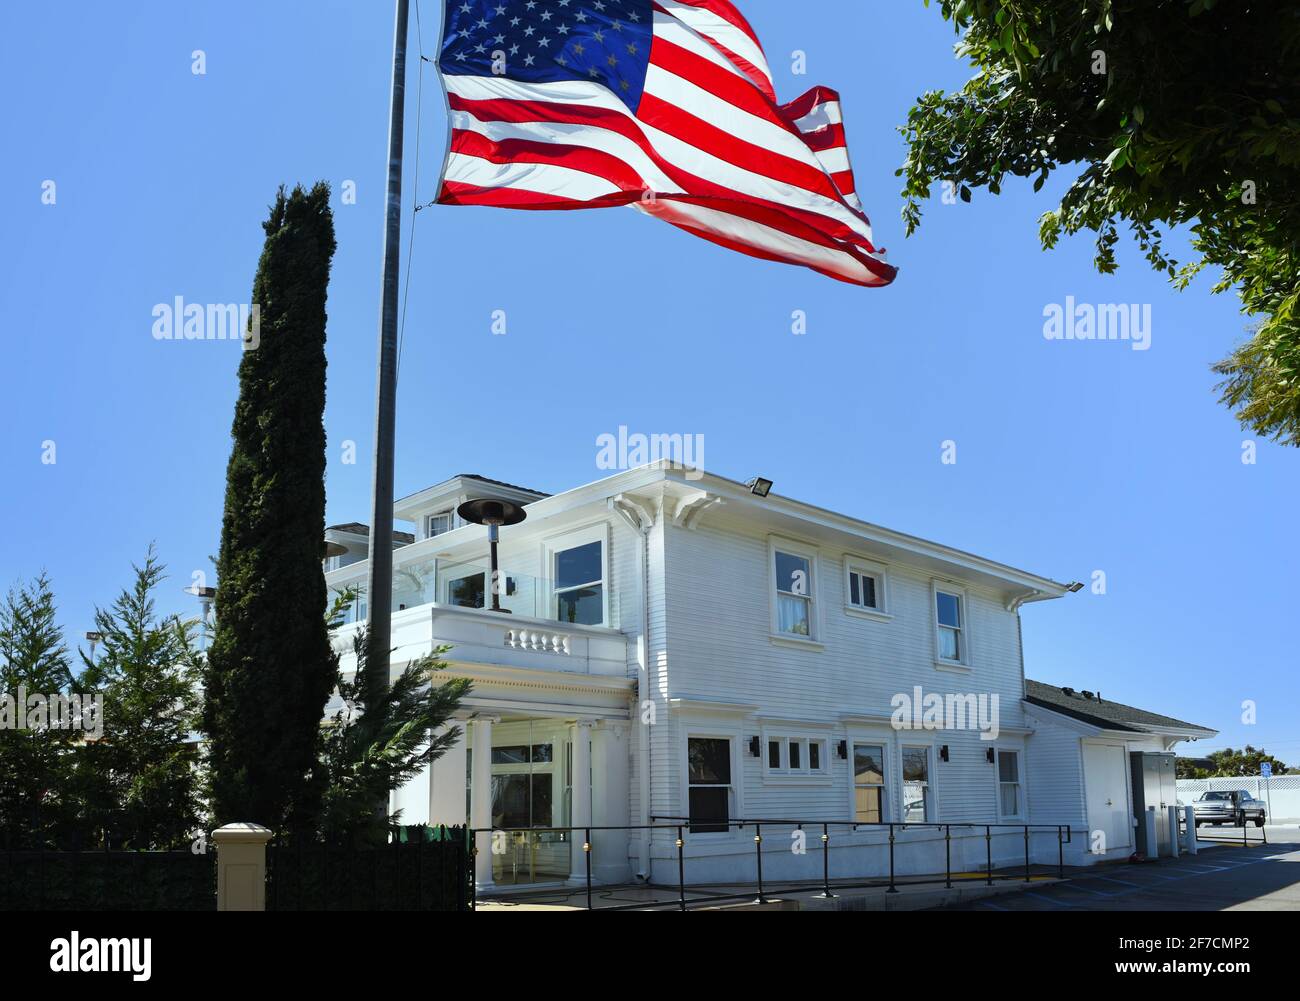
[[948, 616], [793, 594], [916, 785], [1009, 799]]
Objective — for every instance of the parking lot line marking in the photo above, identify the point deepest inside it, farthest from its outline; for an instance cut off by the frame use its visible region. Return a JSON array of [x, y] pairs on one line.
[[1049, 900], [1121, 882]]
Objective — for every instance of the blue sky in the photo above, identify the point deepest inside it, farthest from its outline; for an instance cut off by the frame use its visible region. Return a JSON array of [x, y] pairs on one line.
[[1071, 456]]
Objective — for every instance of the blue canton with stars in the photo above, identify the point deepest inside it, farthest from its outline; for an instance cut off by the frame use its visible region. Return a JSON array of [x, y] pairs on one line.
[[536, 41]]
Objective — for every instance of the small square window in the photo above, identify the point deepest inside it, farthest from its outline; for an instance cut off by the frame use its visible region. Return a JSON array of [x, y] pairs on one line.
[[814, 755], [773, 754], [862, 590], [795, 749]]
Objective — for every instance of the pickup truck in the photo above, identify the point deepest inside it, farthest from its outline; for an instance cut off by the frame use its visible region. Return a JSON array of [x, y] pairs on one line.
[[1233, 806]]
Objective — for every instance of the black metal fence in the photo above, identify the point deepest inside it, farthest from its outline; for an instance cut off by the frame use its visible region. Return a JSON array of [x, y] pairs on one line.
[[46, 880], [825, 831], [424, 870]]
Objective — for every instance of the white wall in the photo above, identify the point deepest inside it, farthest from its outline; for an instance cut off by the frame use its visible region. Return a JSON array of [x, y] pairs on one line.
[[715, 629]]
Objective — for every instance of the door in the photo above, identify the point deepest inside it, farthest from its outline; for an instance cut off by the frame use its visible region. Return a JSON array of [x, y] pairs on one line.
[[1105, 772]]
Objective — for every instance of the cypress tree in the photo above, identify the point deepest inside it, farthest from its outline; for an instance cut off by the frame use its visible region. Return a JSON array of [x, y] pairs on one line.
[[270, 669]]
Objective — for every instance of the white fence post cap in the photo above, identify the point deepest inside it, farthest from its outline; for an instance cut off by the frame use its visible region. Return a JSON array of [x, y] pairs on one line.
[[242, 834]]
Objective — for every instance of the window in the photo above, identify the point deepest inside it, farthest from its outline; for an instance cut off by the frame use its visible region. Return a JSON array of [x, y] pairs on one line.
[[709, 777], [866, 587], [579, 584], [467, 592], [869, 783], [949, 616], [1009, 798], [862, 590], [793, 594], [471, 590], [916, 785], [796, 756], [439, 524]]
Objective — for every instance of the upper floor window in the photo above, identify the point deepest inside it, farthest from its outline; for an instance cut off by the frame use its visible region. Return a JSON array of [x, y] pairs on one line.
[[950, 621], [864, 586], [580, 584], [794, 594], [439, 523]]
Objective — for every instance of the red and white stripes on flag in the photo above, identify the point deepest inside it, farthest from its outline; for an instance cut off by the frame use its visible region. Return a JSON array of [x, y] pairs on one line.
[[706, 146]]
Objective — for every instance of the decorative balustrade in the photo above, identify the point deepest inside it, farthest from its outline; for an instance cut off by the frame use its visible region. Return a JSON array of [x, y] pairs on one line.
[[539, 639]]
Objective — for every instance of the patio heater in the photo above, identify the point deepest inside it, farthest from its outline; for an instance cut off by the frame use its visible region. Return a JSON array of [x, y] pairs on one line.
[[493, 513], [206, 596]]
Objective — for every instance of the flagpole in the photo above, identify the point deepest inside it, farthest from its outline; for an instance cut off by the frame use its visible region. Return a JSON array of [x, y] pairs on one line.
[[379, 595]]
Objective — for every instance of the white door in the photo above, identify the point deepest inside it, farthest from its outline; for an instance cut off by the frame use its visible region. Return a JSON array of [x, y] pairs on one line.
[[1105, 773]]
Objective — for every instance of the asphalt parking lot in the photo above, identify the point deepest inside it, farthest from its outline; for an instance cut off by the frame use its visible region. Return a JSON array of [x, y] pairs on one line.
[[1220, 877]]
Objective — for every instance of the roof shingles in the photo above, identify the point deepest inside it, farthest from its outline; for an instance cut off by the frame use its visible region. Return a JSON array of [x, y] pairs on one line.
[[1101, 713]]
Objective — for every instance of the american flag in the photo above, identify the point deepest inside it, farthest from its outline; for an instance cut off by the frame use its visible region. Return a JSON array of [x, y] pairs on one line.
[[664, 105]]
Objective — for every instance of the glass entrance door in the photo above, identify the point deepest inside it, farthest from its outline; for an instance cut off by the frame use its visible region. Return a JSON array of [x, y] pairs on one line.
[[529, 792]]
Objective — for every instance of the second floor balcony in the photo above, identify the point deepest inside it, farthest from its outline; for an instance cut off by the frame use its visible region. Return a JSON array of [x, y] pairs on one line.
[[543, 624]]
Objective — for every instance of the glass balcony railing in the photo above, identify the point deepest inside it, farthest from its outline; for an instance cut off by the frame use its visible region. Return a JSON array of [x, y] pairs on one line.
[[467, 585]]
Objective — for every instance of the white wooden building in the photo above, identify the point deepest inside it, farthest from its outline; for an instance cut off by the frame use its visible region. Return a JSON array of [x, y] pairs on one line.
[[680, 647]]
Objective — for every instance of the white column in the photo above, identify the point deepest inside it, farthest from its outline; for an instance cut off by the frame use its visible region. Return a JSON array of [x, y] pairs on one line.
[[1173, 830], [1190, 814], [480, 800], [447, 784], [241, 867], [610, 800], [581, 813]]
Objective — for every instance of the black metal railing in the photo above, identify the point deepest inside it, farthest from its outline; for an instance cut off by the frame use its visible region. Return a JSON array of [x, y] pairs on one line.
[[700, 893]]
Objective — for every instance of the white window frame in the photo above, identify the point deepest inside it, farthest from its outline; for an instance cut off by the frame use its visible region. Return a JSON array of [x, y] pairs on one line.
[[805, 739], [735, 802], [449, 514], [998, 751], [963, 631], [804, 551], [870, 568], [931, 788], [888, 755], [552, 547]]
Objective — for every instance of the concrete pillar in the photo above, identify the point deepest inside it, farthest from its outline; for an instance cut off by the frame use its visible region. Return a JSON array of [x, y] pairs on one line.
[[480, 800], [610, 781], [1173, 831], [447, 785], [241, 867], [581, 814], [1191, 829]]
